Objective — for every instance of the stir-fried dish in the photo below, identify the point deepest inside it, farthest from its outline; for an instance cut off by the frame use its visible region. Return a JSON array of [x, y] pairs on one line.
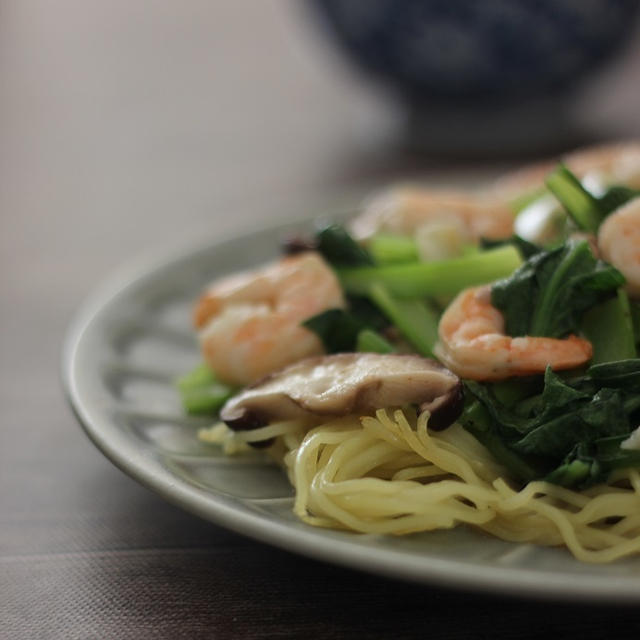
[[448, 358]]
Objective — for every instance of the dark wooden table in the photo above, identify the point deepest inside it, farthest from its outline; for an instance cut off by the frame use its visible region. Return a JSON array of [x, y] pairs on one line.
[[125, 125]]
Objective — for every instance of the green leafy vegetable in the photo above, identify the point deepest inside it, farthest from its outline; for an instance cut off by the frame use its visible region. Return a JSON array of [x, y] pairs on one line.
[[340, 249], [415, 319], [569, 432], [350, 330], [550, 292], [342, 330], [623, 374], [609, 328], [478, 421], [588, 464], [634, 309], [201, 392], [337, 329], [580, 468], [581, 205], [584, 420], [372, 342], [526, 248], [367, 312], [428, 279], [586, 210], [392, 249], [615, 197]]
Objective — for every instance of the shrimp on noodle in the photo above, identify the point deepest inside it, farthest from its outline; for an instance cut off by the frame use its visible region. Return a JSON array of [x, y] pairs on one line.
[[472, 342], [249, 323], [619, 243]]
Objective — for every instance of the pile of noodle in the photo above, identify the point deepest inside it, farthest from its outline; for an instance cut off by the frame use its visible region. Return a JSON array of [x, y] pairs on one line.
[[388, 474]]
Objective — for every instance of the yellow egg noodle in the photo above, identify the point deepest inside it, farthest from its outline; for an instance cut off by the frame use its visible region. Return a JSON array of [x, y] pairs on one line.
[[388, 474]]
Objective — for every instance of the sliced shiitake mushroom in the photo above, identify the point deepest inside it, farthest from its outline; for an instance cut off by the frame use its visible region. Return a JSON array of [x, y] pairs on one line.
[[345, 383]]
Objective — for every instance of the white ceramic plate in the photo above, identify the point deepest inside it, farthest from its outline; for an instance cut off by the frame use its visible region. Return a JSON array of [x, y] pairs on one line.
[[133, 337]]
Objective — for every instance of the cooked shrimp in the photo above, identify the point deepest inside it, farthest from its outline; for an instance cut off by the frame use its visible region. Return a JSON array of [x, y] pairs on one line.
[[488, 213], [472, 343], [404, 210], [249, 323], [611, 163], [619, 243]]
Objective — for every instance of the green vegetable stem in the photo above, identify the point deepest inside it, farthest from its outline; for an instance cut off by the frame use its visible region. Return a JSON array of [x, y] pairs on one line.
[[392, 249], [586, 210], [372, 342], [609, 328], [579, 203], [201, 392], [429, 279], [415, 319]]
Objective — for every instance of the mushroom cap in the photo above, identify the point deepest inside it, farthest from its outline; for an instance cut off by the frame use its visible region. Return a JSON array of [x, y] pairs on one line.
[[345, 383]]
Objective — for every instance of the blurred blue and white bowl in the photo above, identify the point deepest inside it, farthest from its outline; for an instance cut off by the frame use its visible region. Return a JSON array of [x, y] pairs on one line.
[[496, 50]]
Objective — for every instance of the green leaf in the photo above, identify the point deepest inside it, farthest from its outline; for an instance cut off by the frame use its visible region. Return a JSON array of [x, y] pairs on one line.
[[478, 421], [583, 422], [634, 308], [570, 433], [550, 292], [577, 282], [620, 374], [367, 312], [515, 296], [615, 197], [611, 456], [505, 420], [337, 329], [340, 249], [557, 394]]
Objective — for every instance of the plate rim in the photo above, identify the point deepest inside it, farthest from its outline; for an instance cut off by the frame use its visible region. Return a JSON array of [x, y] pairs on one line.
[[310, 542]]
